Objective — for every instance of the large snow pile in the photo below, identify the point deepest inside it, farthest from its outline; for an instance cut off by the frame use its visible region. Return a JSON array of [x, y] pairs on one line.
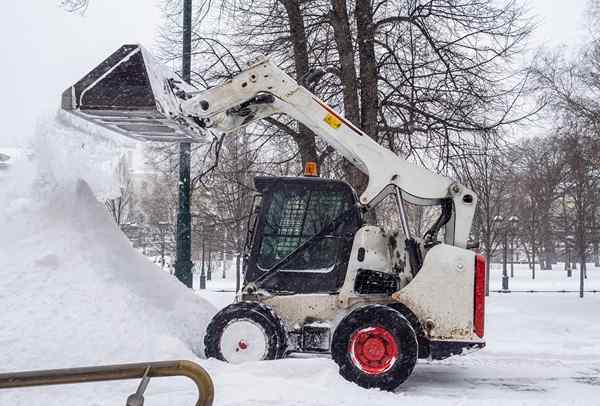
[[73, 291]]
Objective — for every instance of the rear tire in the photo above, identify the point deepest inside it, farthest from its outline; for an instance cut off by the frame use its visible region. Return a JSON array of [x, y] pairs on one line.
[[245, 332], [375, 347]]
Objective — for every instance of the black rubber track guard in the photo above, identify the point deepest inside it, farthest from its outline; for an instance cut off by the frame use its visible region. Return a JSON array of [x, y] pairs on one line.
[[393, 322], [257, 312]]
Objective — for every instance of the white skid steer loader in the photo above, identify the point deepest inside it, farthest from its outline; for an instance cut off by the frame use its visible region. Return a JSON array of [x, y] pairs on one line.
[[318, 278]]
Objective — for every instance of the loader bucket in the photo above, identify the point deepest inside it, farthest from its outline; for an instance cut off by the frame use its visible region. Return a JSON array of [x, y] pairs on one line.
[[133, 95]]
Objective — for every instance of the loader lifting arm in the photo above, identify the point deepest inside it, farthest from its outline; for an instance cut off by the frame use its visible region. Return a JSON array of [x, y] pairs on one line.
[[130, 93], [263, 90]]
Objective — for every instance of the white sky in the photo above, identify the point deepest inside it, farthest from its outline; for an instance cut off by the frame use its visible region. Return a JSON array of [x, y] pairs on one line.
[[558, 21], [45, 49]]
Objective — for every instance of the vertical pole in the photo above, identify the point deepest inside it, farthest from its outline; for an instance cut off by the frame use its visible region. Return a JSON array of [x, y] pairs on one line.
[[223, 256], [183, 264], [533, 262], [533, 247], [512, 256], [504, 262], [162, 248], [202, 270], [209, 268], [581, 278], [488, 260], [569, 271], [237, 273]]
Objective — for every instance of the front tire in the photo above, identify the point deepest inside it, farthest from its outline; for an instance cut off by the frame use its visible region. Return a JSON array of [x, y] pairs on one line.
[[375, 347], [245, 332]]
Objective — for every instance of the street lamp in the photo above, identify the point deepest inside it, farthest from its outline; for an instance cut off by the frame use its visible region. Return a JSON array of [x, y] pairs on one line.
[[499, 220], [183, 263], [513, 221]]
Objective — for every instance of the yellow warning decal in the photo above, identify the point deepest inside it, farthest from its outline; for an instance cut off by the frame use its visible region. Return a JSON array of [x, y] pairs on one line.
[[333, 121]]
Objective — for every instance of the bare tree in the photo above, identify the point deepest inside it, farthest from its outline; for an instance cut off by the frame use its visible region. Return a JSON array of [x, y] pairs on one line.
[[571, 85], [485, 170], [414, 75], [582, 186], [118, 207], [236, 192], [539, 164]]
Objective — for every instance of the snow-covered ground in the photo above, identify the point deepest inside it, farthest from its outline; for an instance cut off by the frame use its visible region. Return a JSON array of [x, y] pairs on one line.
[[542, 349], [73, 293]]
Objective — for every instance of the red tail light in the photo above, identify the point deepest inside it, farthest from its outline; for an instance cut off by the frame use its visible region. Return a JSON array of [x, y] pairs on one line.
[[479, 296]]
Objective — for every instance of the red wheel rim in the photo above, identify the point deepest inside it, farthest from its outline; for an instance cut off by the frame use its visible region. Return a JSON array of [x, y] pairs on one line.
[[373, 350]]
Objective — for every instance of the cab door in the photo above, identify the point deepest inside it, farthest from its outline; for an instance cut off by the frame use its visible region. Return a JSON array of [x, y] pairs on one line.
[[294, 213]]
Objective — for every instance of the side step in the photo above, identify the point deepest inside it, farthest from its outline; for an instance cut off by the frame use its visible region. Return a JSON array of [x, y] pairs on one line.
[[144, 370]]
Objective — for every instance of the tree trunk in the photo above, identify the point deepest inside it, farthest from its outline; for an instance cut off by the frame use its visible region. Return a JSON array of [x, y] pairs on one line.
[[487, 275], [223, 257], [527, 255], [488, 260], [237, 271], [546, 236], [533, 248], [209, 268], [305, 138], [582, 270], [368, 68], [339, 20], [549, 253], [369, 98], [596, 253]]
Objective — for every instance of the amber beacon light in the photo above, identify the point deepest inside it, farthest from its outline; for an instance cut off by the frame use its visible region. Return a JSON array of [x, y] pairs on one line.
[[310, 169]]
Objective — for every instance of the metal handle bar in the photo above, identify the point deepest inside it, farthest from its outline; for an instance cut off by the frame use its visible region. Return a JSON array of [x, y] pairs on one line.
[[114, 373]]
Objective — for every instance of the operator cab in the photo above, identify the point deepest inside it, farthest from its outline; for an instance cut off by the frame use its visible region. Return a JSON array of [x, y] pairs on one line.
[[300, 234]]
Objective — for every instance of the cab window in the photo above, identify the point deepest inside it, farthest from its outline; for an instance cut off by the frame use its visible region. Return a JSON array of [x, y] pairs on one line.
[[293, 217]]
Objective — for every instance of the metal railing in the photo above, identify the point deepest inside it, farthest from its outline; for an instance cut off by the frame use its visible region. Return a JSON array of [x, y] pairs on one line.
[[144, 370]]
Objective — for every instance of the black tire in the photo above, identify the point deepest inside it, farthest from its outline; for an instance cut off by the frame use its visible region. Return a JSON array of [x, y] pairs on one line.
[[258, 313], [387, 330], [424, 349]]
